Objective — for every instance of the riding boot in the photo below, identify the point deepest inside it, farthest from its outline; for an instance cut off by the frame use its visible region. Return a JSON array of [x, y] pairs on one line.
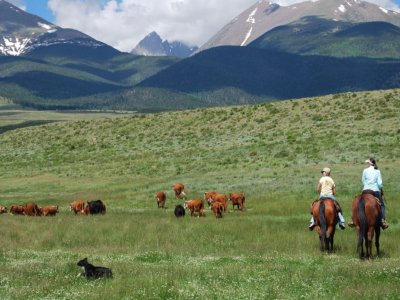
[[341, 221], [384, 224], [312, 224]]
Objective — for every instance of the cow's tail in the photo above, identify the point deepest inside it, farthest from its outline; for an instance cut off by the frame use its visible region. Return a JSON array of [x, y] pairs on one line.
[[322, 220]]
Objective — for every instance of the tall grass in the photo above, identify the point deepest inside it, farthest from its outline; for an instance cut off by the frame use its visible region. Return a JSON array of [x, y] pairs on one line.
[[272, 152]]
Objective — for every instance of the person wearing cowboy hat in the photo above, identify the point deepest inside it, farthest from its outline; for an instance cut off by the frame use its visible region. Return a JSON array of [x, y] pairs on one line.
[[326, 189], [372, 181]]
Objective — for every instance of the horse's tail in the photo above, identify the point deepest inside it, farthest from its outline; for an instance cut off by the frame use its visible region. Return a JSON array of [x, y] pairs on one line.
[[321, 219], [362, 217]]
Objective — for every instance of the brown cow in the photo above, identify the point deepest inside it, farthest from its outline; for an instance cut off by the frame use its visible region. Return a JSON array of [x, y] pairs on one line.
[[31, 209], [179, 190], [161, 197], [3, 209], [49, 210], [215, 197], [237, 199], [208, 197], [195, 206], [217, 208], [77, 206], [17, 209]]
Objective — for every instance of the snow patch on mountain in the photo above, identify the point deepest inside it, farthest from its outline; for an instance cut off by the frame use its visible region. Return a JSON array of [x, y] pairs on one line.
[[384, 10], [14, 46]]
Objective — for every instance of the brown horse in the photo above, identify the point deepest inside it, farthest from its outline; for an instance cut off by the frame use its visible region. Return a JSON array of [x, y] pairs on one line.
[[326, 217], [366, 215]]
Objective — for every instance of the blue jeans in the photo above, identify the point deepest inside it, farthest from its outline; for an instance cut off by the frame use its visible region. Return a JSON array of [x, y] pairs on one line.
[[383, 210]]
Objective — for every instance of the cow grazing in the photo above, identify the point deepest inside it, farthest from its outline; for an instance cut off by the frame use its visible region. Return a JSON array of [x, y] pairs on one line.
[[215, 197], [49, 210], [90, 271], [17, 209], [237, 199], [31, 209], [95, 207], [195, 206], [161, 197], [3, 209], [179, 211], [77, 206], [217, 208], [179, 190], [208, 196]]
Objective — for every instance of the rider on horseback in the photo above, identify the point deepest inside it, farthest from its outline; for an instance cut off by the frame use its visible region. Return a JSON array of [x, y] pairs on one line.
[[372, 183], [327, 190]]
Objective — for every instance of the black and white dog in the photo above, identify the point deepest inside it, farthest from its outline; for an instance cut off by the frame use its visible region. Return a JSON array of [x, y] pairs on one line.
[[90, 271]]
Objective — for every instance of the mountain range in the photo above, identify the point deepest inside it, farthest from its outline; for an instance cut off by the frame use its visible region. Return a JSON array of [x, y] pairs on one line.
[[265, 15], [300, 51]]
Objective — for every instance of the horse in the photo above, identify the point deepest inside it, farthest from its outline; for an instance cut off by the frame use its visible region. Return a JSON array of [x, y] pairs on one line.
[[366, 215], [326, 217]]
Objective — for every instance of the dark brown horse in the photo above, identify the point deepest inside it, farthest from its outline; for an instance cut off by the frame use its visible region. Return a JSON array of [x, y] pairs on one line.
[[326, 217], [366, 215]]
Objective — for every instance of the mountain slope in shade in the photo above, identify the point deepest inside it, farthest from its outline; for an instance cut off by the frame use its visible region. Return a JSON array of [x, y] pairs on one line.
[[317, 36], [264, 16], [153, 45], [21, 33]]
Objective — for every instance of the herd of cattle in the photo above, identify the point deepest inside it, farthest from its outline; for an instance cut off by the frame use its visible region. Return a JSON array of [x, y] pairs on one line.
[[77, 206], [218, 203]]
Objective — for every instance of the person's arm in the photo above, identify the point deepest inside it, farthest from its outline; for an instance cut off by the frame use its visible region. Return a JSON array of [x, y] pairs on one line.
[[334, 190], [380, 183], [319, 188]]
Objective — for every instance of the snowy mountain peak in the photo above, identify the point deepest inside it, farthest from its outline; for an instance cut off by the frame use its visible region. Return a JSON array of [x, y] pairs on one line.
[[21, 32], [265, 15], [153, 45]]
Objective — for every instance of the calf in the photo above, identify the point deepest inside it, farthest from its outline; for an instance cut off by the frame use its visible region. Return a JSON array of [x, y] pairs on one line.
[[179, 190], [77, 206], [217, 208], [17, 209], [3, 209], [195, 206], [237, 199], [179, 211], [161, 197], [31, 209], [90, 271], [49, 210]]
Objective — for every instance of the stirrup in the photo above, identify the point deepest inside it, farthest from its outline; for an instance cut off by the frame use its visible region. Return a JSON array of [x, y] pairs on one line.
[[351, 224], [384, 225], [311, 227]]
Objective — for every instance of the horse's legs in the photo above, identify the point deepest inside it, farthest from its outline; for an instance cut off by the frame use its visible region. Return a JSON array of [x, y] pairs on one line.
[[360, 246], [370, 237], [377, 234]]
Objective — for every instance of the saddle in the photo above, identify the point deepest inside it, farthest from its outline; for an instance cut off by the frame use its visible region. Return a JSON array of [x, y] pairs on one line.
[[371, 192]]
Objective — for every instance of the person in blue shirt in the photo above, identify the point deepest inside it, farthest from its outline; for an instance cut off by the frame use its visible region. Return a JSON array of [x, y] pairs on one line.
[[372, 182]]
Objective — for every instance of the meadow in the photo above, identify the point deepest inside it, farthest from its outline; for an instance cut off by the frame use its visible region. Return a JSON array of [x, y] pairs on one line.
[[273, 152]]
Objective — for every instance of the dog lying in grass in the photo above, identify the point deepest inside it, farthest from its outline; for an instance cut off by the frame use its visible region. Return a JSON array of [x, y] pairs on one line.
[[90, 271]]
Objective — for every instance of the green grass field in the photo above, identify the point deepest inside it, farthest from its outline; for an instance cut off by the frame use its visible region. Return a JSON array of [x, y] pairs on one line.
[[272, 152]]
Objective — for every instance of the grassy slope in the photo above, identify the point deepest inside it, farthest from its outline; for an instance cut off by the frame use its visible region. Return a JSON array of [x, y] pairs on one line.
[[273, 152]]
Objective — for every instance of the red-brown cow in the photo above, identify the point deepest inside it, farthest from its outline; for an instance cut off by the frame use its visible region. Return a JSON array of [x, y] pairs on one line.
[[161, 197], [49, 210], [31, 209], [3, 209], [77, 206], [217, 208], [215, 197], [195, 206], [179, 190], [16, 209], [237, 199]]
